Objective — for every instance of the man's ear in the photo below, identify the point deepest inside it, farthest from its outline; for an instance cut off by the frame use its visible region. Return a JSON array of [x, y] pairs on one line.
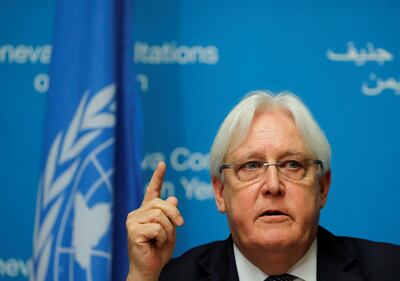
[[325, 183], [218, 193]]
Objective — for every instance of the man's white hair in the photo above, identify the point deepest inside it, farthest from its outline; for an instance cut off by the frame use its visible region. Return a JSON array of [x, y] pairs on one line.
[[233, 131]]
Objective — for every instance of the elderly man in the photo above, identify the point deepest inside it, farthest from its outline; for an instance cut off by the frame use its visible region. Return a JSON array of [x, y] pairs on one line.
[[270, 167]]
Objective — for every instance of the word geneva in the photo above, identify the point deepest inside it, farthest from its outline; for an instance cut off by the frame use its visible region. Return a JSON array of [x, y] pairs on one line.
[[13, 268], [22, 54], [361, 56], [171, 53]]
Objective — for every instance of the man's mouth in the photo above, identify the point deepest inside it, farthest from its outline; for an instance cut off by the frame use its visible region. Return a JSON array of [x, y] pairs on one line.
[[271, 213]]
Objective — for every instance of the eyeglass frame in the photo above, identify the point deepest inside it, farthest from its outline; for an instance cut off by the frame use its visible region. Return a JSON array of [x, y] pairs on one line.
[[266, 164]]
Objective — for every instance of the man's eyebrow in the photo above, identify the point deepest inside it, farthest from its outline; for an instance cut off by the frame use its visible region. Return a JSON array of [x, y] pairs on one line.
[[261, 155], [293, 153], [251, 155]]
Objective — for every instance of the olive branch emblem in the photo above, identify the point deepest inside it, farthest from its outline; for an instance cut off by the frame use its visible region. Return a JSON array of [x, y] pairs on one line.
[[93, 115]]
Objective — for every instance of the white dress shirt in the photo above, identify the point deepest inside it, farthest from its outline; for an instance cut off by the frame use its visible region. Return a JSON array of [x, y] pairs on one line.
[[305, 269]]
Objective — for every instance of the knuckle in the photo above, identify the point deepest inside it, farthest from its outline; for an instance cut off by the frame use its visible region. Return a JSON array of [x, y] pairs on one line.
[[131, 224], [132, 214], [158, 212], [169, 229], [152, 203], [132, 217], [157, 201], [137, 240], [158, 228], [132, 233]]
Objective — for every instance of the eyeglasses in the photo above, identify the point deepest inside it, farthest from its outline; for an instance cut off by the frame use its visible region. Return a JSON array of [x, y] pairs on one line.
[[289, 169]]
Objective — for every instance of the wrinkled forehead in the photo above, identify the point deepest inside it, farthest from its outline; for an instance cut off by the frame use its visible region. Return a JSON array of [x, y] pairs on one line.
[[271, 129]]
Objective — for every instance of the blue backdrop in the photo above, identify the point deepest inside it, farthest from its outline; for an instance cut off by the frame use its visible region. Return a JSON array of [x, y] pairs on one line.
[[194, 61]]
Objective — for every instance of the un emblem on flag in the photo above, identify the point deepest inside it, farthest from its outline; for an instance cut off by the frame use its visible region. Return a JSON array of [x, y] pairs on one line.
[[74, 211], [84, 246]]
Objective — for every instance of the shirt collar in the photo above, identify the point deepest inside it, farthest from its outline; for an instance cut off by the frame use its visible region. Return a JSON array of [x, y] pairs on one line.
[[305, 268]]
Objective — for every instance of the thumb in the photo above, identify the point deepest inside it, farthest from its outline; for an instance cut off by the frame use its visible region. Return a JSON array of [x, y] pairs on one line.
[[173, 200]]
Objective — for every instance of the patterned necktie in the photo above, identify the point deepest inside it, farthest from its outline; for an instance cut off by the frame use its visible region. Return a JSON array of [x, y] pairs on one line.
[[283, 277]]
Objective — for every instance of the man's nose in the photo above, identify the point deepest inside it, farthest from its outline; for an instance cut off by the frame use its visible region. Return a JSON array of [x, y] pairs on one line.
[[272, 183]]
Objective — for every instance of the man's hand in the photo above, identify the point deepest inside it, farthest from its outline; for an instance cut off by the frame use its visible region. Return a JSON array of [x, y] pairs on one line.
[[152, 231]]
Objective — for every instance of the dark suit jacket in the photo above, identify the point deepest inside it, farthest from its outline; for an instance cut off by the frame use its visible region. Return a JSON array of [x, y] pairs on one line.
[[338, 259]]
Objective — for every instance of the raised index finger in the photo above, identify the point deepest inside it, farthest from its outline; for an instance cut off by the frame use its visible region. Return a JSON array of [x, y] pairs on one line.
[[154, 188]]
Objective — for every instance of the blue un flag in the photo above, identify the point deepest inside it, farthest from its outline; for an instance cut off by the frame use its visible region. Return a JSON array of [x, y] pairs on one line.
[[90, 177]]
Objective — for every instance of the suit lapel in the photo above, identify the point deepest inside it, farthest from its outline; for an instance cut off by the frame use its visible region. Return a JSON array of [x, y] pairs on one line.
[[220, 264], [334, 260]]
